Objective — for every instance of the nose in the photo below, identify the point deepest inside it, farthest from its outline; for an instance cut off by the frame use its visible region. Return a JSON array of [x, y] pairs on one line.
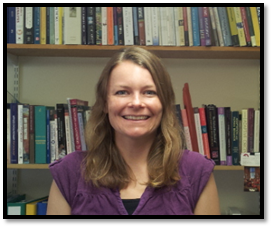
[[136, 101]]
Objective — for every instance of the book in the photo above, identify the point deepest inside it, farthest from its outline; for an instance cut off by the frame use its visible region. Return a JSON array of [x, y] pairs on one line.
[[110, 26], [43, 28], [232, 25], [14, 133], [28, 25], [26, 155], [31, 134], [244, 131], [11, 25], [218, 26], [239, 25], [251, 179], [84, 25], [228, 134], [223, 18], [91, 25], [127, 15], [8, 133], [207, 26], [72, 25], [212, 125], [120, 26], [179, 26], [104, 30], [50, 25], [256, 26], [58, 25], [61, 143], [235, 138], [53, 137], [36, 24], [141, 25], [135, 25], [20, 132], [49, 113], [250, 26], [31, 207], [42, 207], [186, 129], [98, 25], [19, 26], [40, 134], [148, 26], [189, 20], [245, 25], [67, 130], [195, 26], [256, 146], [155, 25], [186, 28], [222, 136], [115, 25], [201, 26], [250, 130], [189, 109], [205, 138], [198, 131]]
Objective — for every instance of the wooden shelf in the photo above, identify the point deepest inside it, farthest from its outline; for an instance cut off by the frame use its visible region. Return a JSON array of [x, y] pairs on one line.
[[45, 166], [193, 52]]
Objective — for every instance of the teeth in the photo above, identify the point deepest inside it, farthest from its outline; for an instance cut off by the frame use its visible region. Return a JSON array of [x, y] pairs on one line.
[[136, 117]]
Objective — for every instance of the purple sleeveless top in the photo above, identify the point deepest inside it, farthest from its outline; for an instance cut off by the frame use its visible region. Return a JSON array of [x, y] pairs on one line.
[[195, 170]]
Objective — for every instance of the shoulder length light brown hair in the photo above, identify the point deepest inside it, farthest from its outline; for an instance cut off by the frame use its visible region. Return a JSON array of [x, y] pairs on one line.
[[103, 164]]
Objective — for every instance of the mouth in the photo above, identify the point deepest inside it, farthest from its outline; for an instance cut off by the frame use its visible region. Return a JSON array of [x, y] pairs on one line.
[[136, 117]]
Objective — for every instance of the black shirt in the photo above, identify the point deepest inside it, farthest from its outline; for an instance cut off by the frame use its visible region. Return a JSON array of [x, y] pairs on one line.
[[130, 205]]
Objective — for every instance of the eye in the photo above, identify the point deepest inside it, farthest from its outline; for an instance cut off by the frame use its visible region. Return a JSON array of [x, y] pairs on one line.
[[121, 92], [150, 92]]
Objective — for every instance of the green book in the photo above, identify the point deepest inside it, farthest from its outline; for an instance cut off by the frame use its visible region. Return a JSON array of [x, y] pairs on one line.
[[40, 134]]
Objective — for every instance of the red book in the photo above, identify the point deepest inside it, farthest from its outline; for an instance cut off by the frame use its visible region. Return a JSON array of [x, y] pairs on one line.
[[186, 29], [245, 25], [190, 114], [141, 25], [204, 132]]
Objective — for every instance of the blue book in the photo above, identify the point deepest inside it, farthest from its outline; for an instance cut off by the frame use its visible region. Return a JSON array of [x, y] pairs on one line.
[[36, 25], [14, 133], [42, 207], [201, 26], [11, 26], [40, 134], [223, 17], [195, 26], [235, 138]]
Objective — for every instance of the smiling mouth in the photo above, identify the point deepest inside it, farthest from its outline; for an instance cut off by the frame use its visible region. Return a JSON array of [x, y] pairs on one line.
[[136, 117]]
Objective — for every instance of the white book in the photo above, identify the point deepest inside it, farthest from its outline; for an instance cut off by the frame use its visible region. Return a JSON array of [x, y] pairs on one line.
[[170, 26], [222, 136], [218, 26], [256, 130], [127, 13], [163, 26], [81, 127], [56, 26], [199, 132], [179, 26], [186, 129], [148, 26], [71, 125], [19, 24], [72, 25], [155, 26], [20, 134], [189, 26], [159, 25], [56, 135], [68, 133], [104, 39]]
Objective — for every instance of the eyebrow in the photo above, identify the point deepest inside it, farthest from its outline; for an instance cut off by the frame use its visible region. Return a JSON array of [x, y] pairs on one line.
[[127, 87]]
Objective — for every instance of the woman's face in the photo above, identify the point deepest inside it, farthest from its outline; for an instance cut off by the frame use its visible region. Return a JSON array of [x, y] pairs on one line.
[[133, 106]]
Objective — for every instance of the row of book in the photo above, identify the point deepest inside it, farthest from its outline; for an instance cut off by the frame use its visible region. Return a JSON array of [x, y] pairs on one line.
[[164, 26], [42, 134], [219, 132], [20, 205]]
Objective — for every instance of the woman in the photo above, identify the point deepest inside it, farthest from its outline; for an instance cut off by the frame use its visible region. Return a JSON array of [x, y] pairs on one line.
[[135, 163]]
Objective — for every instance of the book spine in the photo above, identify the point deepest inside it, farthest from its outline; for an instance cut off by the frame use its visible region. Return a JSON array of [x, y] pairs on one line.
[[141, 25], [84, 26], [235, 138], [195, 26], [127, 15], [47, 25], [91, 25], [256, 131], [8, 133], [31, 134], [120, 26], [213, 25], [52, 135], [104, 31], [239, 25], [56, 25], [250, 130], [20, 134], [115, 26], [258, 14], [245, 25], [61, 13], [155, 24], [67, 130], [189, 17], [204, 131], [170, 27], [72, 25], [179, 26], [40, 134], [186, 27], [14, 133], [36, 25], [256, 26], [222, 12], [201, 26], [56, 135], [135, 23], [218, 26], [244, 131], [232, 25], [47, 136], [228, 134], [28, 25], [11, 25], [43, 25], [207, 27], [51, 25], [148, 26], [198, 131], [81, 130], [110, 26], [19, 26], [250, 26], [61, 130], [186, 129], [75, 124], [26, 156], [222, 136]]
